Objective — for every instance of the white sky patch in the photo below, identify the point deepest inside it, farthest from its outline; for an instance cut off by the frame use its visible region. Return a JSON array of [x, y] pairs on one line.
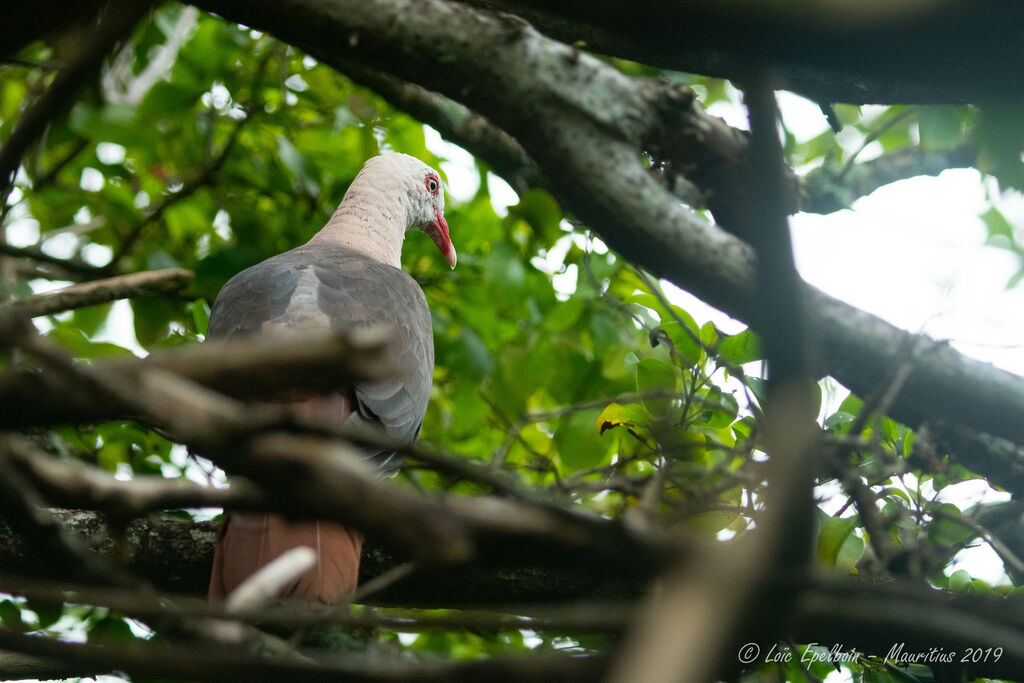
[[501, 193], [297, 83], [119, 328], [22, 232], [217, 97], [61, 246], [110, 153], [92, 180], [913, 253], [97, 254]]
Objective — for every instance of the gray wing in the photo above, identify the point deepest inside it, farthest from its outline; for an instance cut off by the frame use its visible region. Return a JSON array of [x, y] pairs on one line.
[[337, 288]]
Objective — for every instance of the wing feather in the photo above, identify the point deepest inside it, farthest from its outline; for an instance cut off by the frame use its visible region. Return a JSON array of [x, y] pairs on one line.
[[316, 287]]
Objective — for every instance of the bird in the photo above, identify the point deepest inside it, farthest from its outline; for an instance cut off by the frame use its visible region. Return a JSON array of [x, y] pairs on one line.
[[347, 276]]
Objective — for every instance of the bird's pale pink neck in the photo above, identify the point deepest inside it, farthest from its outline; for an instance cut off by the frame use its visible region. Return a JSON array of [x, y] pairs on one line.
[[369, 221]]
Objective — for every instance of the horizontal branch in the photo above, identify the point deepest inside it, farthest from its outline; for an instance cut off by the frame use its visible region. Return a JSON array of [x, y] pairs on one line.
[[147, 283], [15, 666], [72, 484], [902, 52], [202, 662], [257, 367], [857, 613], [833, 187]]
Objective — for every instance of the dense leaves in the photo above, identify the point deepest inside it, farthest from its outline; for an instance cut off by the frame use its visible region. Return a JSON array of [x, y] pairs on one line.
[[558, 363]]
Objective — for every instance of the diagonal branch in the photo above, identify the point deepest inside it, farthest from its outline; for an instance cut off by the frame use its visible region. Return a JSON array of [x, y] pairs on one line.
[[456, 123]]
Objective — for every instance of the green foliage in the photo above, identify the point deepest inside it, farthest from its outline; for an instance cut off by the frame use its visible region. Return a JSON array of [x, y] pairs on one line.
[[556, 361]]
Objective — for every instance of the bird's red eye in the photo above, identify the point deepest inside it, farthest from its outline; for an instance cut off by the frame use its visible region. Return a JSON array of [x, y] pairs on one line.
[[432, 184]]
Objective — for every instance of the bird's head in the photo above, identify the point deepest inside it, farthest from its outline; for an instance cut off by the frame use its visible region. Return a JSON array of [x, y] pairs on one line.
[[424, 196]]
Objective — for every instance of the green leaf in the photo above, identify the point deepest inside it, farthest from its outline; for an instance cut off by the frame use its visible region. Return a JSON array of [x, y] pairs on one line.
[[940, 127], [684, 340], [718, 409], [200, 311], [1015, 279], [504, 272], [652, 375], [832, 537], [75, 341], [153, 317], [538, 208], [741, 348], [838, 420], [110, 629], [711, 522], [1000, 232], [758, 387], [113, 123], [709, 335], [960, 581], [579, 445], [10, 616], [945, 530], [631, 417], [47, 613], [295, 162]]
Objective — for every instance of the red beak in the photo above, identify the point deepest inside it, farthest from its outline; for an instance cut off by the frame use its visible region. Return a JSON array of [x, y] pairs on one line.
[[440, 236]]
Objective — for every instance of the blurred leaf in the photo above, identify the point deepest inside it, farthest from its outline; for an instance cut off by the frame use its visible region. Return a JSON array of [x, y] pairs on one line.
[[75, 341], [945, 530], [960, 581], [653, 375], [10, 615], [711, 522], [1000, 232], [832, 538], [295, 162], [538, 208], [200, 311], [110, 630], [579, 445], [114, 123], [47, 613], [630, 416], [741, 348], [940, 127]]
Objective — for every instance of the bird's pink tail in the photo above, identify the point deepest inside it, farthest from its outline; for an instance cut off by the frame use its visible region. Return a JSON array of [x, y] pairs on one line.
[[247, 542]]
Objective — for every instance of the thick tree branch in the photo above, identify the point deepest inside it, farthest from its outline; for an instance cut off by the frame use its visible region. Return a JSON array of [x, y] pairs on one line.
[[316, 478], [72, 484], [249, 368], [15, 666], [896, 53], [176, 555]]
